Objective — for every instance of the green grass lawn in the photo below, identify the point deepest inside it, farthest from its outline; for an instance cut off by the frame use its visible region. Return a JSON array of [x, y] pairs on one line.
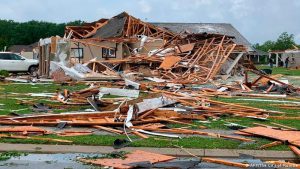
[[281, 70], [158, 142], [10, 102], [12, 94], [249, 122]]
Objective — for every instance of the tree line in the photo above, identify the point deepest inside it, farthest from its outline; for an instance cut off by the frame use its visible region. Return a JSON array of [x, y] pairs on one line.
[[26, 33], [283, 42]]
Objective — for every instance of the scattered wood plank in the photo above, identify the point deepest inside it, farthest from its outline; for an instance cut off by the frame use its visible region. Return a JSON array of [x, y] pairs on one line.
[[295, 150], [224, 162], [275, 143]]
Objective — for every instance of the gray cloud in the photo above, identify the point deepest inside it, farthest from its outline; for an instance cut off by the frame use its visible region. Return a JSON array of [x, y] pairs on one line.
[[257, 20]]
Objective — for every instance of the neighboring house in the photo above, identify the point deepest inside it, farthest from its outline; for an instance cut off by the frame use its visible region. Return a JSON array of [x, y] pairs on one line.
[[280, 56], [28, 51]]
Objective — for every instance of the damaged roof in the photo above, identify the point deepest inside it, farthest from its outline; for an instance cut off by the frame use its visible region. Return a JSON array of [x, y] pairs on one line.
[[116, 25], [113, 28], [214, 28]]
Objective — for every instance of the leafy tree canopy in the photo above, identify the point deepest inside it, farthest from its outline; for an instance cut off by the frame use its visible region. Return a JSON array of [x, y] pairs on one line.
[[283, 42], [26, 33]]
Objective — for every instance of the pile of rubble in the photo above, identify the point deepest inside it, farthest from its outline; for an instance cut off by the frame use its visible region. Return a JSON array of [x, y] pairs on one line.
[[130, 45], [126, 49], [162, 77]]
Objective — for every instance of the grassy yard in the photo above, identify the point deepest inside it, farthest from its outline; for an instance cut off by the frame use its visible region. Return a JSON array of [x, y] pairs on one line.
[[11, 94], [281, 70]]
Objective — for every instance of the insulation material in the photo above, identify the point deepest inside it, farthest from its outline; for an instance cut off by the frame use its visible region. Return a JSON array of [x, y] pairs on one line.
[[154, 103], [82, 68], [132, 83], [155, 79], [161, 52], [74, 74], [129, 117], [159, 134], [120, 92], [44, 41]]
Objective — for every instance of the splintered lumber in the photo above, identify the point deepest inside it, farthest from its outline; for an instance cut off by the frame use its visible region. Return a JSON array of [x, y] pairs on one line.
[[173, 121], [270, 78], [264, 125], [283, 126], [35, 138], [147, 113], [134, 157], [275, 143], [64, 116], [224, 162], [295, 150], [292, 137], [74, 122], [139, 134], [173, 114], [24, 130], [108, 129], [216, 107], [74, 133], [243, 133], [150, 126]]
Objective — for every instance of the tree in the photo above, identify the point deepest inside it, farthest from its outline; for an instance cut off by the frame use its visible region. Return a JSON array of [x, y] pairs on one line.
[[268, 45], [283, 42], [15, 33]]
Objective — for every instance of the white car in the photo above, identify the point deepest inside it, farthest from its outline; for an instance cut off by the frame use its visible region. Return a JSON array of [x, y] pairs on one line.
[[12, 62]]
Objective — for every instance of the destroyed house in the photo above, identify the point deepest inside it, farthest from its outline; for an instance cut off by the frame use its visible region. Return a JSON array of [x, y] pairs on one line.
[[117, 37], [127, 44]]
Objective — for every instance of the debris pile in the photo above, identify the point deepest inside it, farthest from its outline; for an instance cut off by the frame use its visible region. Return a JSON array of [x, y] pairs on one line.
[[131, 45], [141, 116], [143, 78]]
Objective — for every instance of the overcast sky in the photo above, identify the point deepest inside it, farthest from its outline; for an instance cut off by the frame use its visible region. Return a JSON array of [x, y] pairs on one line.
[[257, 20]]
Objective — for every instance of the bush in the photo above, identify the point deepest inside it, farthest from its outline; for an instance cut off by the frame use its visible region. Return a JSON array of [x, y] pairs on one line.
[[4, 73]]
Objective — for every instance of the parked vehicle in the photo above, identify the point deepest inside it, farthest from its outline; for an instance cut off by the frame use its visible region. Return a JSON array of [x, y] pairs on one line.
[[16, 63]]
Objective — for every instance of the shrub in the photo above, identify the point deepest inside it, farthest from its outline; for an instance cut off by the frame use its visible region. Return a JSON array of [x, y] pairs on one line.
[[4, 73]]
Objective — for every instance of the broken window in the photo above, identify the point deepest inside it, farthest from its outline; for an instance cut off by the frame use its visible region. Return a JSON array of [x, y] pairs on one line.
[[77, 52], [108, 53]]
